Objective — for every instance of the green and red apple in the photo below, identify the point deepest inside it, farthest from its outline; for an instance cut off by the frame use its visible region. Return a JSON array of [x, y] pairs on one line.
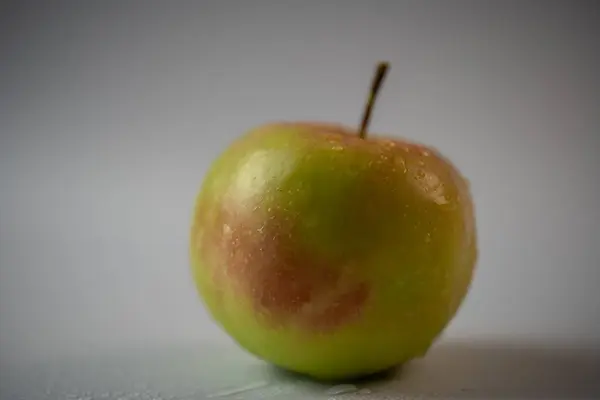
[[329, 252]]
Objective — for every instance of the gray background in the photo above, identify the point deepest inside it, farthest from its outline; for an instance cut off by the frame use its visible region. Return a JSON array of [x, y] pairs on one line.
[[111, 112]]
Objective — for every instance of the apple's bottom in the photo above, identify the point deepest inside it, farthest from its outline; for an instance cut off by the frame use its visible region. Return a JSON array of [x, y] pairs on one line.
[[365, 377], [335, 370]]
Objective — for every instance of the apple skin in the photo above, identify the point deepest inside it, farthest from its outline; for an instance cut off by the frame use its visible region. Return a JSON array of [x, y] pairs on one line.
[[331, 255]]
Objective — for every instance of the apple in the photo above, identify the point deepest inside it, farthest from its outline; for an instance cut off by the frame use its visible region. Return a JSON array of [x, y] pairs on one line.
[[329, 252]]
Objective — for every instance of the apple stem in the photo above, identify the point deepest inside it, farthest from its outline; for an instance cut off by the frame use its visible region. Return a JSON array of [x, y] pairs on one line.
[[380, 72]]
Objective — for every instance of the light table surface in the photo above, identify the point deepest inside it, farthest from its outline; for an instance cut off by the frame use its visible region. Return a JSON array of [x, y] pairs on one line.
[[453, 369]]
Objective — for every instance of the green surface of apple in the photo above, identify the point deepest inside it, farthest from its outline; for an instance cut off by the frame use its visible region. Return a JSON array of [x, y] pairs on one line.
[[330, 254]]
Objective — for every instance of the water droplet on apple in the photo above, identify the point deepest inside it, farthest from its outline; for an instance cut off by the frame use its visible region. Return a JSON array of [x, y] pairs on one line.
[[400, 161], [428, 237]]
